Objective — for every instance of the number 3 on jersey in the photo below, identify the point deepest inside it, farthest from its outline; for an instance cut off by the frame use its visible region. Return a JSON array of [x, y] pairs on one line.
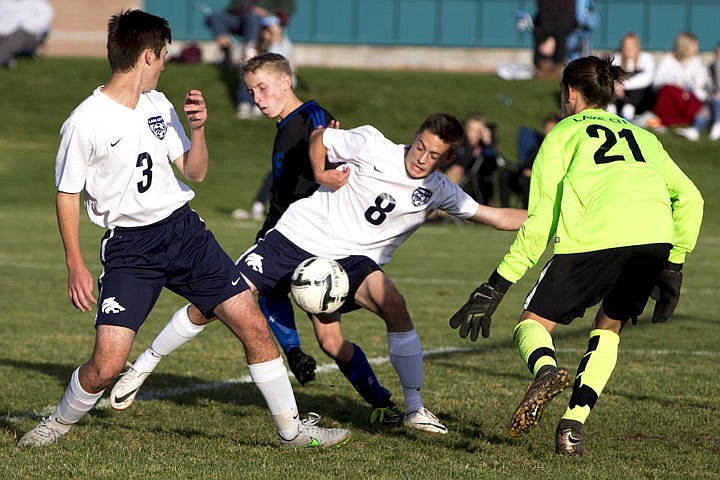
[[144, 160], [384, 204], [601, 155]]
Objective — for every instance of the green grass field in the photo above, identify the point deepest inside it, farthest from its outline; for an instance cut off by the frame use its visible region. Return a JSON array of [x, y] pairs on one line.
[[197, 416]]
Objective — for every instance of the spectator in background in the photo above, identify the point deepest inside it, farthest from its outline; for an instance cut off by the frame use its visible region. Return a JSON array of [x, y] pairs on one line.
[[243, 18], [715, 101], [579, 42], [682, 83], [23, 26], [517, 179], [635, 95], [554, 21], [272, 39], [475, 159]]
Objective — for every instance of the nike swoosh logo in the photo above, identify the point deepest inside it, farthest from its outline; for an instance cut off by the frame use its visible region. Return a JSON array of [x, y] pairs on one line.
[[377, 169], [122, 398], [572, 439], [236, 281], [313, 443], [116, 142]]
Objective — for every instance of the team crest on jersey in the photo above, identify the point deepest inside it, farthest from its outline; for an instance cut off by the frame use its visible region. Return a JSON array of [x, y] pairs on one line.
[[158, 127], [421, 196]]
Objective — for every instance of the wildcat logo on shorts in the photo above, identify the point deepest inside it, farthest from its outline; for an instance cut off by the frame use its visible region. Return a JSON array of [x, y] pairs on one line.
[[158, 127], [254, 261], [421, 196], [110, 305]]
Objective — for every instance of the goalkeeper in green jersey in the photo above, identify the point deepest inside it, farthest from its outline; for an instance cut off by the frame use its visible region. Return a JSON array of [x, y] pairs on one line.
[[621, 217]]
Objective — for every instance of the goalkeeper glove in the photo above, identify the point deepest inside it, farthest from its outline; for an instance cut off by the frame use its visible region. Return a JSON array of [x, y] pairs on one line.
[[477, 311], [666, 292]]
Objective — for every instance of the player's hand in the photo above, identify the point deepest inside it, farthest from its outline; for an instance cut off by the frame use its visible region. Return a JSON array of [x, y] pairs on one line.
[[477, 312], [333, 178], [666, 292], [334, 124], [80, 288], [195, 109]]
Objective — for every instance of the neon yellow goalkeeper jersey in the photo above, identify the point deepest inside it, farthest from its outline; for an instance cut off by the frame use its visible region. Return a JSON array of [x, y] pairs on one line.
[[601, 182]]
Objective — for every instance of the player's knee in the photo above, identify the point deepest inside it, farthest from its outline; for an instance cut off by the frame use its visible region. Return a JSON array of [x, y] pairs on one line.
[[332, 345]]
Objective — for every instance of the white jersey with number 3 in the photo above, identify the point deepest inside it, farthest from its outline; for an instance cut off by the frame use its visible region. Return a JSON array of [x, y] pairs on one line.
[[378, 208], [120, 159]]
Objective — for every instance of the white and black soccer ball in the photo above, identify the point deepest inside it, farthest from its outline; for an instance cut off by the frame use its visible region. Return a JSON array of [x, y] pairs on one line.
[[319, 285]]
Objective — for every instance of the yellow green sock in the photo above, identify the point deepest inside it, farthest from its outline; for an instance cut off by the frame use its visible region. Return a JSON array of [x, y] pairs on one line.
[[593, 373], [535, 345]]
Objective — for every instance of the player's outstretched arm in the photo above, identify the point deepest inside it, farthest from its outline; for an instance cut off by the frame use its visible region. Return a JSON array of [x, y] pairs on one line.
[[80, 281], [500, 218]]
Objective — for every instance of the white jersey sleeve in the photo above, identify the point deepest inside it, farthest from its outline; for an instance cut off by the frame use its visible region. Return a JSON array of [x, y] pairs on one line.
[[120, 159], [379, 207]]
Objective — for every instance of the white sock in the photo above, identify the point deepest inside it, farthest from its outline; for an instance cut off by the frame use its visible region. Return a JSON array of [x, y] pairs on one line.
[[272, 380], [75, 403], [406, 357], [177, 332]]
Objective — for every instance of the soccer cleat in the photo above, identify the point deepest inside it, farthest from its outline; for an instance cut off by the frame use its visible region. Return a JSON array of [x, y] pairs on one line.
[[568, 438], [302, 365], [126, 388], [424, 420], [391, 415], [47, 432], [310, 435], [539, 393]]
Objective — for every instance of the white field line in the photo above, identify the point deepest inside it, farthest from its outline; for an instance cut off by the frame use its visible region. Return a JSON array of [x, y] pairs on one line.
[[405, 280], [147, 395]]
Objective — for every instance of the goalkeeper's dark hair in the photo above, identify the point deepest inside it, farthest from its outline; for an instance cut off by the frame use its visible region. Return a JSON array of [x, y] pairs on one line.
[[446, 127], [594, 78], [130, 33]]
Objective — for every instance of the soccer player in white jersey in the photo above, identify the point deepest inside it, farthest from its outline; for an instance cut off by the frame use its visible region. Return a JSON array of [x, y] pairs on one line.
[[117, 149], [361, 214]]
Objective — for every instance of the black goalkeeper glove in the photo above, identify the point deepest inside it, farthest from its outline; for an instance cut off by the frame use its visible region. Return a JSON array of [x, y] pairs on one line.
[[477, 311], [666, 292]]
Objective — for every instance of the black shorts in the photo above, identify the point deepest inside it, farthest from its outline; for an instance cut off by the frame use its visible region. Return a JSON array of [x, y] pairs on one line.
[[178, 253], [270, 263], [622, 278]]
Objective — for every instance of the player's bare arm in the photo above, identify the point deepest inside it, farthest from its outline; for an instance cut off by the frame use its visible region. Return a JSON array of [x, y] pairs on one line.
[[500, 218], [194, 164], [332, 178], [80, 281]]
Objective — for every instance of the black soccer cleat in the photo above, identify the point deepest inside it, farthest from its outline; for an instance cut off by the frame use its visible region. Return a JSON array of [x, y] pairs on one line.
[[302, 365], [568, 438]]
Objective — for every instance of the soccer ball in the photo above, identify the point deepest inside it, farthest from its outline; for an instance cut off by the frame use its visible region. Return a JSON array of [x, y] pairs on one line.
[[319, 285]]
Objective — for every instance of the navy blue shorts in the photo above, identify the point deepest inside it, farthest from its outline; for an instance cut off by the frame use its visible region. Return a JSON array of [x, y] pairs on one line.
[[270, 263], [178, 253], [621, 278]]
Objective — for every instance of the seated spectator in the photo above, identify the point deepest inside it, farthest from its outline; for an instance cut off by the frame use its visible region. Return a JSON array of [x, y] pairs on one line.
[[635, 95], [682, 83], [273, 39], [243, 18], [23, 26], [475, 159], [715, 101], [516, 178], [579, 42]]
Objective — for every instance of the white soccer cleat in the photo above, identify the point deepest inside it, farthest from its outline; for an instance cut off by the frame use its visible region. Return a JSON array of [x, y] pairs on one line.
[[690, 133], [47, 432], [126, 388], [424, 420], [310, 435]]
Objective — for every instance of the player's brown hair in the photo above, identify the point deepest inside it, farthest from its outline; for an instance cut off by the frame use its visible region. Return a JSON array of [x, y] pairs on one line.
[[446, 127], [594, 78], [130, 33]]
